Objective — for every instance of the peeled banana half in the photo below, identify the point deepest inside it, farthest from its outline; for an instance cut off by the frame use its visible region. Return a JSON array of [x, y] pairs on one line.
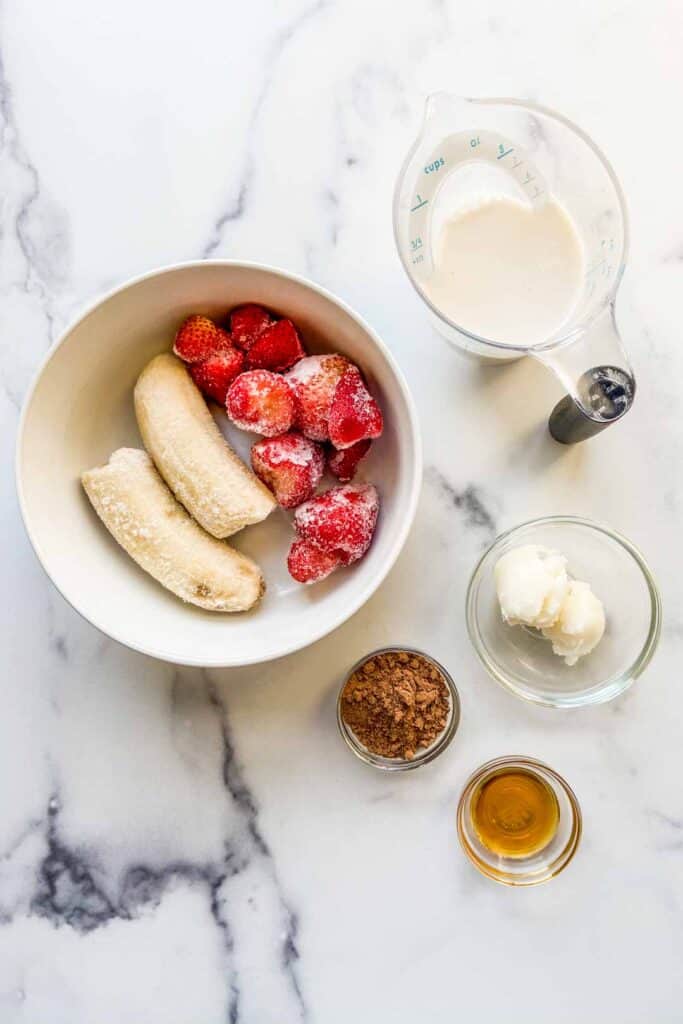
[[140, 512], [193, 457]]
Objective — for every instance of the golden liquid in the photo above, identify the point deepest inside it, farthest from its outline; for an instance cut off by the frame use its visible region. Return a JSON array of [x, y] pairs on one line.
[[515, 813]]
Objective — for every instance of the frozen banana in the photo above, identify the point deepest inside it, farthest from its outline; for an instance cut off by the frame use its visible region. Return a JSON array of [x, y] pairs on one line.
[[191, 454], [140, 512]]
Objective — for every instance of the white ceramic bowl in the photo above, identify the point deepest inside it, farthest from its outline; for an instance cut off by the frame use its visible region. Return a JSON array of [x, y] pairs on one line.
[[80, 409]]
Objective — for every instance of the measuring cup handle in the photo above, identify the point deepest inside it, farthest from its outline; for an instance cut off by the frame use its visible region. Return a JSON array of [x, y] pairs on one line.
[[610, 386], [569, 423], [596, 397]]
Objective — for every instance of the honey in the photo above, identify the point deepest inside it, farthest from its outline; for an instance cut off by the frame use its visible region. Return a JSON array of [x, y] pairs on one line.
[[515, 813]]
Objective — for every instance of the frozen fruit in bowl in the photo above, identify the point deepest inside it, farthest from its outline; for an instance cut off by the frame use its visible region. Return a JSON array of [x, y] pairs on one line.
[[291, 465], [314, 382], [97, 359], [261, 401], [214, 375], [198, 338], [247, 323], [309, 564], [340, 521], [354, 413], [277, 348], [343, 464]]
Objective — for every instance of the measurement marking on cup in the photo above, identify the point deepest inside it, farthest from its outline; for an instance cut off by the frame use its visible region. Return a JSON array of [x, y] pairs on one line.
[[502, 151], [420, 202], [529, 178], [516, 163]]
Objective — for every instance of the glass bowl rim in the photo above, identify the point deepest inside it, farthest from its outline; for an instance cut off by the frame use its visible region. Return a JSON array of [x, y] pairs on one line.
[[617, 683], [560, 862], [387, 764]]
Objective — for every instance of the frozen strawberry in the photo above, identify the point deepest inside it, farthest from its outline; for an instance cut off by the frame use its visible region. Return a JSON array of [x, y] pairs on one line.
[[343, 464], [214, 376], [247, 323], [354, 413], [277, 348], [261, 401], [340, 521], [314, 381], [308, 564], [291, 465], [198, 338]]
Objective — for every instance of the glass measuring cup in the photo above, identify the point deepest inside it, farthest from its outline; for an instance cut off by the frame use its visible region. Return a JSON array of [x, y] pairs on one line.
[[506, 148]]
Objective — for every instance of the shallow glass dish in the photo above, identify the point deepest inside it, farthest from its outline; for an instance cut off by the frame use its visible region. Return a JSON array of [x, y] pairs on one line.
[[540, 866], [522, 660], [425, 754]]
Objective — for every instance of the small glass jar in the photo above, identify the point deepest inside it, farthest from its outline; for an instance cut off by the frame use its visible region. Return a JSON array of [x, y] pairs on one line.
[[543, 864], [424, 754]]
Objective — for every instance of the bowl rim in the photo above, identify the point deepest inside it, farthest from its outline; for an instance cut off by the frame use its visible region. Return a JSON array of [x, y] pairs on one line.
[[618, 682], [405, 521]]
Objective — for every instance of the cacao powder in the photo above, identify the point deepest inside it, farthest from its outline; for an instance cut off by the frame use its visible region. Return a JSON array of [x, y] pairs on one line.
[[395, 703]]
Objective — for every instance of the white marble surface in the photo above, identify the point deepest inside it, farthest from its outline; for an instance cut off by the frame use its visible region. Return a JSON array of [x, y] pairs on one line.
[[180, 846]]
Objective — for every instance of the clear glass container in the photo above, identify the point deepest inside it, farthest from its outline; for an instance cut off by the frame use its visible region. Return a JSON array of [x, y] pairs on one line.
[[475, 147], [425, 754], [540, 866], [522, 659]]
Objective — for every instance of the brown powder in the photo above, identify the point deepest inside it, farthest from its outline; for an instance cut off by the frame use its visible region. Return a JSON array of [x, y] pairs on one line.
[[395, 703]]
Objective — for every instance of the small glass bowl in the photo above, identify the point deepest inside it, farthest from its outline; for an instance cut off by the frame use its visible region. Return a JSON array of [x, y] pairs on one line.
[[540, 866], [522, 660], [425, 754]]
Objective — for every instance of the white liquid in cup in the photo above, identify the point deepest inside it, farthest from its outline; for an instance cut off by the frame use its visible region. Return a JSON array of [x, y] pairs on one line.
[[508, 271]]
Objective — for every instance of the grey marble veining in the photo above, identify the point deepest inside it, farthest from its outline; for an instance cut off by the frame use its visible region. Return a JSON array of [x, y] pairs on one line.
[[182, 846]]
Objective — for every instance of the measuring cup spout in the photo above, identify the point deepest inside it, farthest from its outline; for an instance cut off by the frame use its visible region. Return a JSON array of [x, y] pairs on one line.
[[598, 377], [443, 113], [438, 104]]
